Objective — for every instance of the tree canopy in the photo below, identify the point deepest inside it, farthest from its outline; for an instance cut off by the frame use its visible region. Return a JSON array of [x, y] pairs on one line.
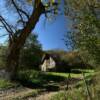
[[85, 29], [31, 53], [25, 15]]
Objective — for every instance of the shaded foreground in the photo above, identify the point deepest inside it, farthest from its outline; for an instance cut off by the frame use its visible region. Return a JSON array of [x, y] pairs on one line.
[[39, 85]]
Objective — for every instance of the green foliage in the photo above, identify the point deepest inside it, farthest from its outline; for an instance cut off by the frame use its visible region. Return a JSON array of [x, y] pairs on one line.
[[25, 21], [68, 60], [79, 91], [48, 80], [3, 50], [76, 94], [85, 33], [31, 53], [39, 78], [5, 84], [51, 6], [70, 95]]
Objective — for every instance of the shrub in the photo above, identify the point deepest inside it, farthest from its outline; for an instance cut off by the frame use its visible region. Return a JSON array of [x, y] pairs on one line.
[[4, 84]]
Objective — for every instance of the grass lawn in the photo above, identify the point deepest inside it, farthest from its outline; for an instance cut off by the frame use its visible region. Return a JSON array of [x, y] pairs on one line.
[[41, 79], [79, 91], [73, 75], [53, 80]]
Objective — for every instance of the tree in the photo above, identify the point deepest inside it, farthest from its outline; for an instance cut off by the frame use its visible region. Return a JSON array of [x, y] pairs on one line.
[[3, 50], [85, 30], [31, 53], [24, 24]]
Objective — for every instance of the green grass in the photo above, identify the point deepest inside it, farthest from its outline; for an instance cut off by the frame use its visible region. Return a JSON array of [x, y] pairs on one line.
[[39, 79], [5, 84], [79, 91], [46, 79], [75, 94], [42, 79], [73, 75], [52, 81]]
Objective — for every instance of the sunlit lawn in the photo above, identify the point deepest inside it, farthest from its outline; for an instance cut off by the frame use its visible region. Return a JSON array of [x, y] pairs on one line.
[[73, 75]]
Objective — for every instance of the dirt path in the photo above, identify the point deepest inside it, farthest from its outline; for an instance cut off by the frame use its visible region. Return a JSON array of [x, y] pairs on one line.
[[25, 94], [45, 96], [11, 95]]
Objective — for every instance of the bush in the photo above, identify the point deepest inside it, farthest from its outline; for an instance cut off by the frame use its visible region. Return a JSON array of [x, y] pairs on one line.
[[4, 84]]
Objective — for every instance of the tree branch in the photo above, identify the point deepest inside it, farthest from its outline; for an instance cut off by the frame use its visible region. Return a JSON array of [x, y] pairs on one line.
[[17, 9], [7, 27], [24, 13], [3, 21], [3, 35], [1, 26], [30, 24]]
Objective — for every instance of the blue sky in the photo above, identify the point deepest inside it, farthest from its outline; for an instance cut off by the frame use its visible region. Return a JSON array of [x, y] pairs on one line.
[[50, 34]]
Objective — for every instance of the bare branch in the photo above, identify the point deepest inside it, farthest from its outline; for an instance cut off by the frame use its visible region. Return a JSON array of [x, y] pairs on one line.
[[3, 35], [18, 11], [7, 27], [1, 26], [3, 21], [24, 13], [34, 18]]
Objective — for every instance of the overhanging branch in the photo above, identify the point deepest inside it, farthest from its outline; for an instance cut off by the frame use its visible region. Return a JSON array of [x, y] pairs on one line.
[[3, 35], [30, 25], [24, 13], [7, 27], [18, 11]]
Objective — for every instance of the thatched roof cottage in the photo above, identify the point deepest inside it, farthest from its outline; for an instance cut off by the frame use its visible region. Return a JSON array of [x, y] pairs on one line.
[[48, 62]]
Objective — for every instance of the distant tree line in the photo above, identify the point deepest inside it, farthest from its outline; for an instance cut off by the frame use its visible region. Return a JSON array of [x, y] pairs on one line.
[[66, 61], [30, 56]]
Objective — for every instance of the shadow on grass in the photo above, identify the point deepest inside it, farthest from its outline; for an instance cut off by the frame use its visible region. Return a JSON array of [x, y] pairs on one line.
[[79, 71], [40, 80], [43, 80]]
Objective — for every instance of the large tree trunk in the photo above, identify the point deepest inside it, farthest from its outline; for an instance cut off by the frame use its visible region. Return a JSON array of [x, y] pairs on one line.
[[15, 47], [12, 62]]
